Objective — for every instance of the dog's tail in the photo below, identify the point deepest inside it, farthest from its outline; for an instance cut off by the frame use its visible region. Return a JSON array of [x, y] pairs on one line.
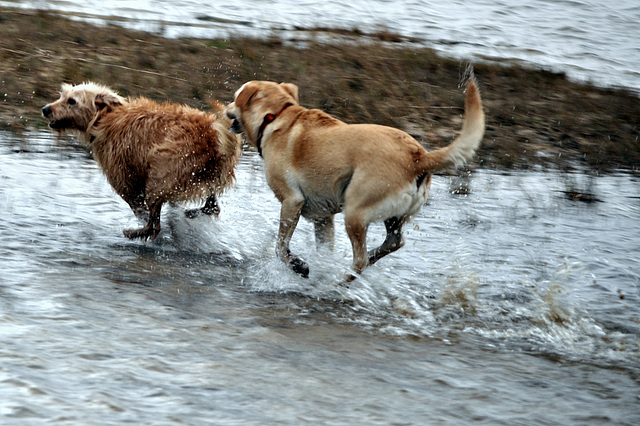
[[230, 142], [218, 109], [464, 146]]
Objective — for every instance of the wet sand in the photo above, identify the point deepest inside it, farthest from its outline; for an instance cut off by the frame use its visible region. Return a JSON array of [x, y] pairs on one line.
[[535, 118]]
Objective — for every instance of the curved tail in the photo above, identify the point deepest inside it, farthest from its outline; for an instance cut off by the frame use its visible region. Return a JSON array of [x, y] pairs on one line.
[[464, 146], [230, 142], [218, 109]]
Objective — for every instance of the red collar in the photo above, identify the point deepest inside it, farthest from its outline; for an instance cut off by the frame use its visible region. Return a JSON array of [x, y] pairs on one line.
[[268, 119]]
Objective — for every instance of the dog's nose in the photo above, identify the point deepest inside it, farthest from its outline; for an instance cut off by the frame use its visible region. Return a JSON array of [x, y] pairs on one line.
[[236, 127], [46, 111], [231, 115]]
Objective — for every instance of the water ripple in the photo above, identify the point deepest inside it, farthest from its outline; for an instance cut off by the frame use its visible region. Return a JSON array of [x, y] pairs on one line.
[[207, 323]]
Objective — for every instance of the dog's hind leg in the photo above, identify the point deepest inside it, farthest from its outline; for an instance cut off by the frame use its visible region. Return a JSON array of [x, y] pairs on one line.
[[210, 207], [289, 217], [324, 231], [392, 243], [357, 232]]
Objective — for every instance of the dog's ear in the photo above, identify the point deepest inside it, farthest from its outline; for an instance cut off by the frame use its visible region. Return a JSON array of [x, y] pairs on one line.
[[107, 100], [245, 95], [291, 89]]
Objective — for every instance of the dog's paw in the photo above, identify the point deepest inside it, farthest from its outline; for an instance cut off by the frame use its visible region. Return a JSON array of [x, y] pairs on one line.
[[299, 266], [142, 233], [349, 278], [193, 213], [213, 210]]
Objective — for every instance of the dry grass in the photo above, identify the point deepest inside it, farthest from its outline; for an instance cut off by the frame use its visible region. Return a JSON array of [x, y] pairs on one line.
[[534, 116]]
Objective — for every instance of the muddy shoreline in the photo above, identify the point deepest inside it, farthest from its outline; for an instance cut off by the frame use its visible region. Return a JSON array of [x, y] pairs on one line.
[[535, 118]]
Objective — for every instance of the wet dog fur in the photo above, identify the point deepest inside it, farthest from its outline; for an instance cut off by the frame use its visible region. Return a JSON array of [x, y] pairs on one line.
[[151, 153], [318, 166]]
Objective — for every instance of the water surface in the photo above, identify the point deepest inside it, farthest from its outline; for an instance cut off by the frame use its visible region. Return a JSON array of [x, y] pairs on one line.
[[510, 304]]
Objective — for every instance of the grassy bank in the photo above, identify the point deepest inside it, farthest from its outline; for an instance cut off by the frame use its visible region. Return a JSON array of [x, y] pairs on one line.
[[535, 117]]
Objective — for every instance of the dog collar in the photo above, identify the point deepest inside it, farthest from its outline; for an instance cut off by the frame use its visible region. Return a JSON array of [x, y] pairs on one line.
[[268, 119]]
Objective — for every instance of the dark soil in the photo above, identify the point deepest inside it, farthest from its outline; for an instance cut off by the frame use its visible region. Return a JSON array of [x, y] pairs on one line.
[[534, 117]]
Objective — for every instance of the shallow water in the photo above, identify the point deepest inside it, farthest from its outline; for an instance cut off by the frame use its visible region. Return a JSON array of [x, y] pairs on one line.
[[510, 304], [588, 39]]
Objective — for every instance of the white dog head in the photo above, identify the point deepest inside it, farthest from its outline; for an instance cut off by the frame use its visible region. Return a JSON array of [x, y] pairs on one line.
[[79, 105]]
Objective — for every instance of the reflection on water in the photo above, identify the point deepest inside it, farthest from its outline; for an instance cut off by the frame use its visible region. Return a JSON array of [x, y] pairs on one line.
[[509, 303]]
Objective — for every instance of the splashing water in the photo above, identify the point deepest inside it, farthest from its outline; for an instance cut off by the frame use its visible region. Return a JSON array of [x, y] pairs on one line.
[[93, 326]]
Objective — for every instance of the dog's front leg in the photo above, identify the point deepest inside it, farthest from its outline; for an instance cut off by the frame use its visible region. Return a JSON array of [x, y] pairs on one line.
[[152, 228], [135, 199], [289, 217]]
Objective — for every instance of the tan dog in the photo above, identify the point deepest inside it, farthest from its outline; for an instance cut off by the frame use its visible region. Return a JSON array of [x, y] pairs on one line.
[[150, 153], [318, 166]]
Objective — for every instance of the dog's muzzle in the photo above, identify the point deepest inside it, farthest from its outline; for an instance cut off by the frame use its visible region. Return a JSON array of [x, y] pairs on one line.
[[56, 124], [236, 127], [46, 112], [61, 124]]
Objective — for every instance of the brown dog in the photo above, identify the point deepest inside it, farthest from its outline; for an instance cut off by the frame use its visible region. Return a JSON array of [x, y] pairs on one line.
[[318, 166], [150, 153]]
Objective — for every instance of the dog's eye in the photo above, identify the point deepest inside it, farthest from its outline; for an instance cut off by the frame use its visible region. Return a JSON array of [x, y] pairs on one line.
[[71, 101]]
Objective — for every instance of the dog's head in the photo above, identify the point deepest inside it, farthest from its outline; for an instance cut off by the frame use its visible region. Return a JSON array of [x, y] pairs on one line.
[[255, 101], [78, 106]]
